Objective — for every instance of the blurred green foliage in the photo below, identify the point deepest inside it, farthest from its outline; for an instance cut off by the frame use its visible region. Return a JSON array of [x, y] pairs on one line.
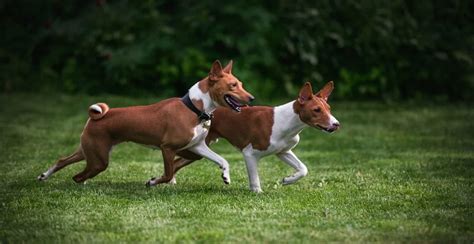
[[372, 49]]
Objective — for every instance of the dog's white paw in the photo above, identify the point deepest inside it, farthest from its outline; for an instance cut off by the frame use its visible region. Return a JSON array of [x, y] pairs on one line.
[[288, 180], [256, 189], [151, 182], [172, 181], [294, 178], [42, 177], [226, 176]]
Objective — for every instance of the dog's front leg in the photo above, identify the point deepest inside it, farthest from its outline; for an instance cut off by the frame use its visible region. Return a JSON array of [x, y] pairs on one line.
[[203, 150], [168, 159], [252, 171], [290, 158]]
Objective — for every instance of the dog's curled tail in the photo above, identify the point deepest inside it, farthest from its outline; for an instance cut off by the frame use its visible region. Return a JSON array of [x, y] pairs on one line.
[[97, 111]]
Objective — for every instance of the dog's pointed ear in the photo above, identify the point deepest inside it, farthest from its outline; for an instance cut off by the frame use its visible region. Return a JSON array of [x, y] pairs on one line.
[[306, 93], [326, 91], [228, 68], [216, 71]]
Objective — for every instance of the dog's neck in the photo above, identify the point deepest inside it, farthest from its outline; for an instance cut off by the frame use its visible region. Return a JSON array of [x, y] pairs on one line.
[[287, 120], [202, 99]]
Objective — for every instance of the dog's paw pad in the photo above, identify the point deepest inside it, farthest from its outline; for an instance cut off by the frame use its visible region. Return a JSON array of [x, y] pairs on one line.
[[42, 177], [226, 179], [287, 181], [150, 182], [172, 181], [77, 179]]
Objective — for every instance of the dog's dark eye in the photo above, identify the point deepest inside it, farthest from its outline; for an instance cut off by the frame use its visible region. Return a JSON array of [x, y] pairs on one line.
[[317, 110], [233, 85]]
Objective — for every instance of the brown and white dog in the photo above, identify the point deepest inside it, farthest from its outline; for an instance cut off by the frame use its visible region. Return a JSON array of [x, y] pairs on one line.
[[260, 131], [169, 125]]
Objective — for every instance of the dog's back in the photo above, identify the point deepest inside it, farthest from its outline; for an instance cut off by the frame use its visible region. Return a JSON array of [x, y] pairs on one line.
[[148, 125]]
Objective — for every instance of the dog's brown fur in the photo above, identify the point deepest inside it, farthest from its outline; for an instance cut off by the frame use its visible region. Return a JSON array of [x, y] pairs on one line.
[[168, 125], [251, 126]]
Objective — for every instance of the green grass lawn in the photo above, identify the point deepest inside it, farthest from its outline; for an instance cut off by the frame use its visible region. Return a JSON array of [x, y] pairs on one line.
[[397, 173]]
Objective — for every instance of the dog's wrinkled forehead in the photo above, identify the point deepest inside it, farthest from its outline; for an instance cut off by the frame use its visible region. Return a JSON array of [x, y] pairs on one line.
[[224, 83], [318, 101], [230, 78]]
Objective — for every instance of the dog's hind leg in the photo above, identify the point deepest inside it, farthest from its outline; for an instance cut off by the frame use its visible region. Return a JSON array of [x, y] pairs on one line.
[[61, 163], [93, 168], [185, 158], [178, 164], [97, 158], [168, 160], [290, 158]]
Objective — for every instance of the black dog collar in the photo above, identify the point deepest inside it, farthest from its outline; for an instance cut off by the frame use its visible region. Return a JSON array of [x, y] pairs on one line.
[[201, 115]]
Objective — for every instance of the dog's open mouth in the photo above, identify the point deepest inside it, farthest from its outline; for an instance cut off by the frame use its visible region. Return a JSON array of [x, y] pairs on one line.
[[233, 102], [330, 130]]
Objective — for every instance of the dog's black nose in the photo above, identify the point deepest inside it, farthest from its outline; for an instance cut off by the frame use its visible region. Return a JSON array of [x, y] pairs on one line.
[[251, 98], [336, 124]]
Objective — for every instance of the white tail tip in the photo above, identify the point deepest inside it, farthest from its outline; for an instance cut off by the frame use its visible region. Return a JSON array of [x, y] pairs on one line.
[[96, 108]]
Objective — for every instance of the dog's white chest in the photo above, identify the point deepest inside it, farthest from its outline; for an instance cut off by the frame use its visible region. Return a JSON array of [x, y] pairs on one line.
[[200, 133], [284, 143], [285, 130], [278, 145]]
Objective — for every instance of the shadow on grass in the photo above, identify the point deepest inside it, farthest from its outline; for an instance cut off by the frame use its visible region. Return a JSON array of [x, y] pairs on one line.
[[127, 189]]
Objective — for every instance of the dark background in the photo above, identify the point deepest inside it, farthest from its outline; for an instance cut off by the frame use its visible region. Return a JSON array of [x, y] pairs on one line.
[[381, 50]]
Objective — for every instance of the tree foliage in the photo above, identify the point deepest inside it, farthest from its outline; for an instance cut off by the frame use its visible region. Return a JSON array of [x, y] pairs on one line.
[[371, 49]]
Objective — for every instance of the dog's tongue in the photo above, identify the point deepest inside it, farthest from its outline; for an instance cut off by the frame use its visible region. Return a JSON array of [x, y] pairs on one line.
[[233, 103]]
